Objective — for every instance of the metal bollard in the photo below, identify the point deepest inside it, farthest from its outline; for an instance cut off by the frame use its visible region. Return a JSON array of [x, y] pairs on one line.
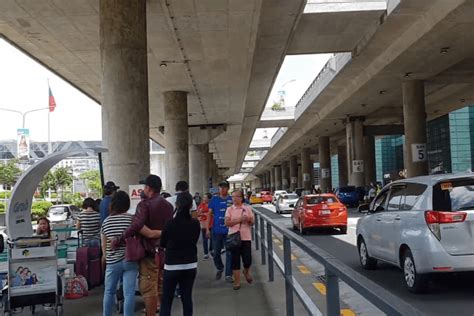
[[288, 276], [262, 240], [255, 230], [332, 297], [271, 274]]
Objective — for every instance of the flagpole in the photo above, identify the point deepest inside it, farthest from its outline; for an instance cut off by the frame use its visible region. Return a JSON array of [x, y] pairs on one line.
[[49, 124]]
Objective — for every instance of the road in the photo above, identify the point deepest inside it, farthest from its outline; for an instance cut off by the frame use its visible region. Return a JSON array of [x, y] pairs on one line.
[[448, 294]]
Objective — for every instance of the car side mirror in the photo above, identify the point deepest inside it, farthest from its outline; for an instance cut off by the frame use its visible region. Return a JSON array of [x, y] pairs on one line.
[[364, 208]]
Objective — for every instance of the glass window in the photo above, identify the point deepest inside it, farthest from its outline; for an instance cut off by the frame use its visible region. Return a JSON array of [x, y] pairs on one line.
[[396, 194], [412, 193], [380, 201], [455, 195]]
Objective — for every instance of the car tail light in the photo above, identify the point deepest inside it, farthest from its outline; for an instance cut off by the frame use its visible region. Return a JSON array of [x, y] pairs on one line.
[[435, 218]]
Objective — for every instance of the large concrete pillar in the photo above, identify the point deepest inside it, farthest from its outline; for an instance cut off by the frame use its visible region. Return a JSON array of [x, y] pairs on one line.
[[414, 115], [198, 155], [272, 179], [355, 151], [176, 136], [300, 177], [278, 182], [342, 165], [285, 173], [325, 164], [293, 173], [306, 166], [125, 116], [370, 171]]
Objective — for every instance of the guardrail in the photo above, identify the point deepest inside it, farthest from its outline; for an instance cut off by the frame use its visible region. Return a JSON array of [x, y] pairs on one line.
[[335, 270]]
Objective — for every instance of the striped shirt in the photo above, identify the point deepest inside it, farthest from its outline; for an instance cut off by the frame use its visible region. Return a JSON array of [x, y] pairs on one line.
[[114, 226], [90, 224]]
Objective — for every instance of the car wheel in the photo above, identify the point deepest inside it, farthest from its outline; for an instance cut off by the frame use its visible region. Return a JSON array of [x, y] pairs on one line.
[[343, 229], [414, 281], [302, 230], [366, 261]]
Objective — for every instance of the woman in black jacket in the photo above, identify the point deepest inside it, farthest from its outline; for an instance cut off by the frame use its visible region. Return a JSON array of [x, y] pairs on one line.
[[179, 237]]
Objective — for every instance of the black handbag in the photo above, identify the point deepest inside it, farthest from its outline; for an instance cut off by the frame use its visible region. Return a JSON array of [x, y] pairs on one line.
[[233, 240]]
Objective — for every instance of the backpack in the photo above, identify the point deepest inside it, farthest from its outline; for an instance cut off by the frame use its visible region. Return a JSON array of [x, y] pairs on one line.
[[75, 287]]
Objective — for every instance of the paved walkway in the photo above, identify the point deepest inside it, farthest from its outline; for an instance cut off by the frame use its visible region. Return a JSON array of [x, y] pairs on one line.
[[211, 297]]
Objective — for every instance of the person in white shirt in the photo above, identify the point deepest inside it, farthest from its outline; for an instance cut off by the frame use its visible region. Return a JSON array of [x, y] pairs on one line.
[[181, 186]]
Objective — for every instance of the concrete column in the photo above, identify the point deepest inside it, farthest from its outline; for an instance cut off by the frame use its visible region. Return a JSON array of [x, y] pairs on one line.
[[355, 151], [342, 165], [267, 180], [124, 87], [285, 173], [272, 180], [293, 173], [300, 177], [325, 164], [176, 136], [370, 172], [277, 177], [414, 115], [306, 166], [198, 155]]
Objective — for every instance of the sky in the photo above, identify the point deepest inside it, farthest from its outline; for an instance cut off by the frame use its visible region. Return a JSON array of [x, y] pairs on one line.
[[296, 74], [24, 87]]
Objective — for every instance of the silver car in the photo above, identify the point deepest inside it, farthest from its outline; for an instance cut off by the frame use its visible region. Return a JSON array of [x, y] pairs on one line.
[[423, 225], [286, 202]]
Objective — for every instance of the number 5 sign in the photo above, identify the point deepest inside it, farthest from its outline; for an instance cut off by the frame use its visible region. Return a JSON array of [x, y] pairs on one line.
[[418, 152]]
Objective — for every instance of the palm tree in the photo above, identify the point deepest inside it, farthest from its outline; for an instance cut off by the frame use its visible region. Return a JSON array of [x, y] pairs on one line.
[[62, 179]]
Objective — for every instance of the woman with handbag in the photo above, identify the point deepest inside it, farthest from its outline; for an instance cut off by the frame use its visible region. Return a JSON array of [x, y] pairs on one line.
[[179, 238], [239, 218]]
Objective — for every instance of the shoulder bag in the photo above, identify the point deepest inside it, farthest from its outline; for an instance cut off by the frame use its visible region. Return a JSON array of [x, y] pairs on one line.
[[134, 250]]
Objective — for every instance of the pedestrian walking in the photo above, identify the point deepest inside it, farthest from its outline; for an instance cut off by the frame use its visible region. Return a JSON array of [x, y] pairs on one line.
[[117, 267], [239, 218], [203, 214], [153, 212], [181, 186], [179, 238], [88, 222], [109, 189], [217, 208]]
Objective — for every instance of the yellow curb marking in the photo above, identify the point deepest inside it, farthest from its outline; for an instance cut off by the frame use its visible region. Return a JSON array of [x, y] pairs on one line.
[[281, 247], [276, 241], [320, 287], [304, 270], [293, 257], [347, 312]]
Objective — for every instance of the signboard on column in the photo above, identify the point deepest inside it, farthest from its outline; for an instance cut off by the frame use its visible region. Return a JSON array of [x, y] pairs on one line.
[[306, 177], [23, 143], [357, 166], [135, 198], [325, 173], [418, 152], [294, 180]]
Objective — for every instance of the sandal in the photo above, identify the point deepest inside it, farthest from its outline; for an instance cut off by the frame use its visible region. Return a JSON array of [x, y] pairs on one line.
[[248, 278], [237, 287]]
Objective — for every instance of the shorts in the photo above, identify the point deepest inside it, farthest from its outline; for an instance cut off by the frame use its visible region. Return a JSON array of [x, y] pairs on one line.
[[244, 252], [148, 277]]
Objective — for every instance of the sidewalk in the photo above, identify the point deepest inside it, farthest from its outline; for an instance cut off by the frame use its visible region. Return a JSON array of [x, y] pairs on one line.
[[210, 297]]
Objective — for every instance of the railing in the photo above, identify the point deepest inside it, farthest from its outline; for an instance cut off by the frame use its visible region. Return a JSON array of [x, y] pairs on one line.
[[260, 143], [287, 113], [335, 270]]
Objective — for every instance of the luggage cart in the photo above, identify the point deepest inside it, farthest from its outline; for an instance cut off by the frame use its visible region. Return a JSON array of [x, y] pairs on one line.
[[32, 275]]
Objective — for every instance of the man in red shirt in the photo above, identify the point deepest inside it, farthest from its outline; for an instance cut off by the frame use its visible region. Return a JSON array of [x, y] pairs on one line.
[[203, 215], [153, 212]]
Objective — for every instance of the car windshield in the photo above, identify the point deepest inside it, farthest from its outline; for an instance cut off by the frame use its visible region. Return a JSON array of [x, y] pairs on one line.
[[454, 195], [58, 210], [320, 199], [290, 197], [347, 189]]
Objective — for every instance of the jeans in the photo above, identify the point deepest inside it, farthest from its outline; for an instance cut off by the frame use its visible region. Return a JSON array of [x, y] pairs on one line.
[[91, 243], [185, 280], [205, 241], [128, 271], [218, 241]]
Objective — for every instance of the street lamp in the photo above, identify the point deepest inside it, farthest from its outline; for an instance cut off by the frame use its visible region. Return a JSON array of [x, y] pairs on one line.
[[23, 114]]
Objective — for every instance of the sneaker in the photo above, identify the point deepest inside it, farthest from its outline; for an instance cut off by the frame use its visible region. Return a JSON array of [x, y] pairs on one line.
[[206, 257], [219, 275], [229, 279]]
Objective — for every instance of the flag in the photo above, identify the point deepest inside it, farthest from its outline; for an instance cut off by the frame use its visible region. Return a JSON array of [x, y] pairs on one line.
[[52, 102]]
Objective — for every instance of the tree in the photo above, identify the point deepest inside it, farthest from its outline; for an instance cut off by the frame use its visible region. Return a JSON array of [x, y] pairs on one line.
[[93, 184], [47, 183], [9, 173], [62, 178]]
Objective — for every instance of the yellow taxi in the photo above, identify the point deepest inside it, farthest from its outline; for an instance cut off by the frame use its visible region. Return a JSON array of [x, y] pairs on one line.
[[256, 198]]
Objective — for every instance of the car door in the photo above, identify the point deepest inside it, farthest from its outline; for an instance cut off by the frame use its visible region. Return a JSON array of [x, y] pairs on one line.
[[296, 213], [390, 223], [372, 224]]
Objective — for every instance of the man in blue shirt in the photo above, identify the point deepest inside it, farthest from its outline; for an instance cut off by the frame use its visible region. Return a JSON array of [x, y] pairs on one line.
[[217, 207], [109, 189]]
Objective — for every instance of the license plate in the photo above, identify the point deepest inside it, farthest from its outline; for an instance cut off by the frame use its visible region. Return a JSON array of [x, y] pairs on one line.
[[292, 205], [325, 212]]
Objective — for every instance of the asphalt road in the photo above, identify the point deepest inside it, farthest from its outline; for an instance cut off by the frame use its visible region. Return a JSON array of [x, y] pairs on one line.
[[449, 294]]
